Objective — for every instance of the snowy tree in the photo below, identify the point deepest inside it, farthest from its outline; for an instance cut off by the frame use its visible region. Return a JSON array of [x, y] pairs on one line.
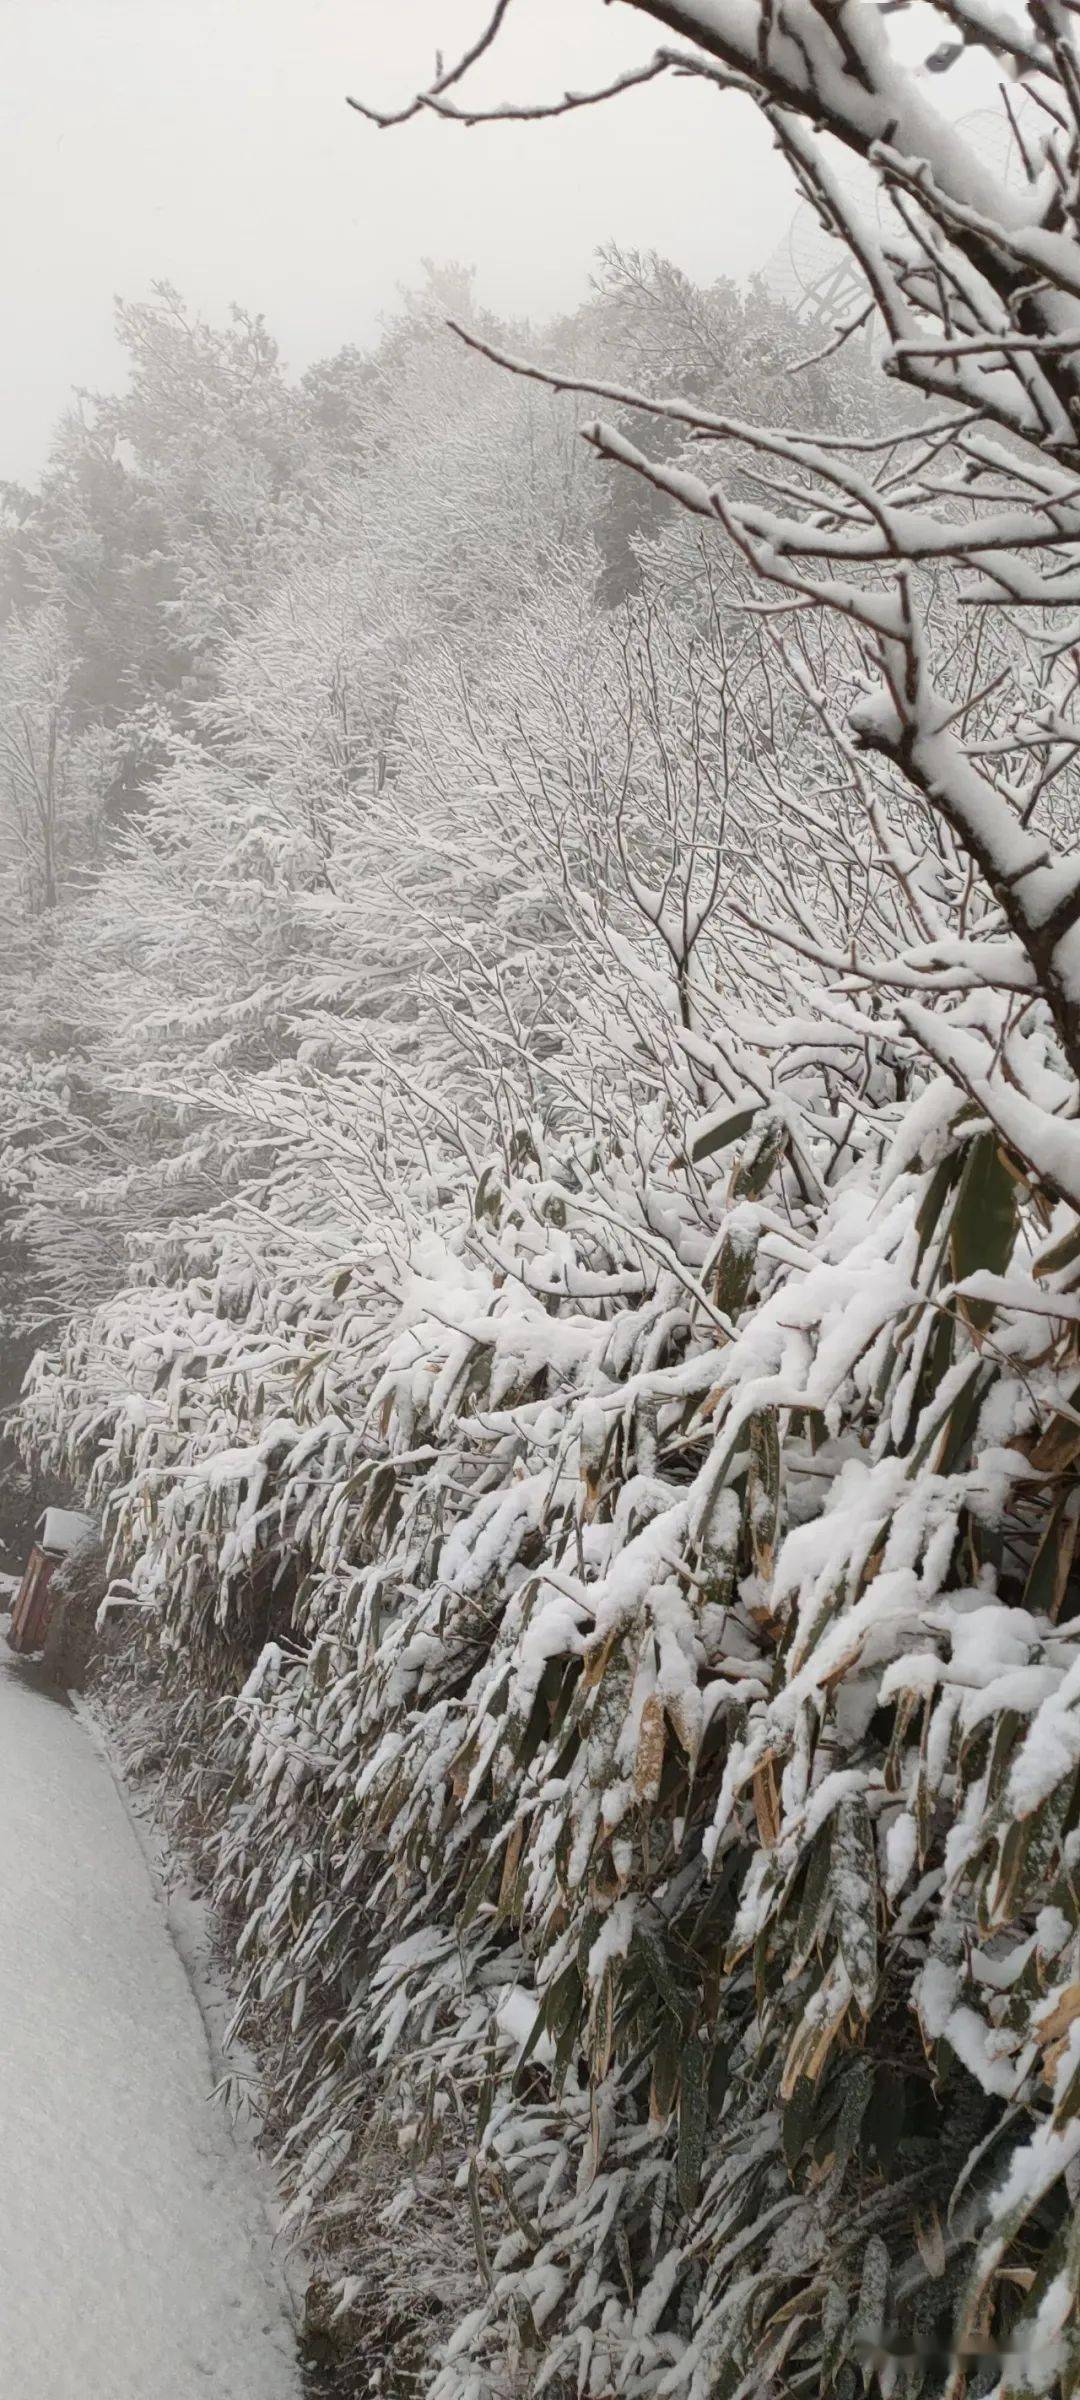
[[37, 829], [950, 271], [649, 326]]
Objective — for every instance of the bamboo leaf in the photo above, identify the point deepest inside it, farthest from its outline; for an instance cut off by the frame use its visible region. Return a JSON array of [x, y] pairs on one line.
[[649, 1757], [982, 1231], [764, 1491], [797, 2121], [759, 1160], [834, 2332], [476, 2216], [693, 2112], [854, 1885], [719, 1135], [1048, 1577], [665, 2072]]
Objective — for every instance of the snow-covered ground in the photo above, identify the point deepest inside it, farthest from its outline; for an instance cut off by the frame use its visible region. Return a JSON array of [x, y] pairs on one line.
[[135, 2259]]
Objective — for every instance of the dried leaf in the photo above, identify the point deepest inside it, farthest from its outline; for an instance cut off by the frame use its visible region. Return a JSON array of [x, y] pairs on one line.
[[766, 1793], [649, 1761]]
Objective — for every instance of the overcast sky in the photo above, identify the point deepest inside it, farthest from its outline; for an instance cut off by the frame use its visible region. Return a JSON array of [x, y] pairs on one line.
[[208, 142]]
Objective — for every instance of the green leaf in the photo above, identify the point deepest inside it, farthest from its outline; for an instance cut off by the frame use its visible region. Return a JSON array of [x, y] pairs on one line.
[[474, 1897], [1045, 1588], [523, 1150], [834, 2330], [564, 2049], [718, 2081], [1063, 1253], [488, 1198], [759, 1160], [942, 1182], [665, 2073], [886, 2108], [853, 1877], [735, 1263], [482, 2259], [870, 2319], [603, 2024], [486, 2097], [717, 1137], [590, 1927], [816, 1900], [763, 1490], [934, 1365], [797, 2121], [858, 2084], [693, 2112], [654, 1956], [985, 1216], [955, 1446], [562, 2001]]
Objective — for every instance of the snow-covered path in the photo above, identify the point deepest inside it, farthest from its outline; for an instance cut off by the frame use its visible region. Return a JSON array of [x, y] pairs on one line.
[[134, 2251]]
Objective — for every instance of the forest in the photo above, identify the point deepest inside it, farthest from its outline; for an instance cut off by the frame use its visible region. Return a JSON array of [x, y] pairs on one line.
[[540, 1184]]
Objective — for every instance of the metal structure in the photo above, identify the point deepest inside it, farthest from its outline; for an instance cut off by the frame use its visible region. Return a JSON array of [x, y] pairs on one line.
[[814, 271]]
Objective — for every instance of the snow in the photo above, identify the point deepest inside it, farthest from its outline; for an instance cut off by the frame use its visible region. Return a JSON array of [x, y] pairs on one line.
[[1051, 1749], [614, 1938], [901, 1842], [136, 2248], [516, 2017], [1052, 1148], [576, 1433], [62, 1529]]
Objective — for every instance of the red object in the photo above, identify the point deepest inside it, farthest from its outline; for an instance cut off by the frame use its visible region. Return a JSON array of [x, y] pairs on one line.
[[33, 1608], [58, 1531]]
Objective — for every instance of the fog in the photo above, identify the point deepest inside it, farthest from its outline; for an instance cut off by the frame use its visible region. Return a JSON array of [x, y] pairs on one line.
[[208, 142]]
